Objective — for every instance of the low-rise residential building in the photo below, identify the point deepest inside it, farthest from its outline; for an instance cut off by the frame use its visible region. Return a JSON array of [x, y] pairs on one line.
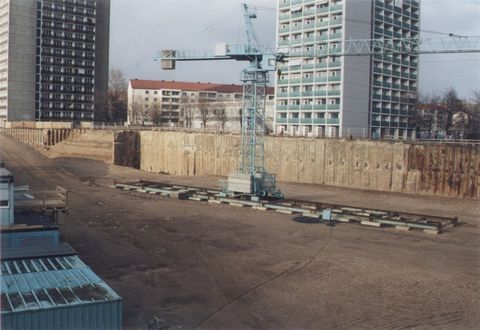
[[189, 104]]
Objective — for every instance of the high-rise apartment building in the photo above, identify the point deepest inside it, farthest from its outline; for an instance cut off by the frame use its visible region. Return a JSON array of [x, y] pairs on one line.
[[371, 95], [53, 58]]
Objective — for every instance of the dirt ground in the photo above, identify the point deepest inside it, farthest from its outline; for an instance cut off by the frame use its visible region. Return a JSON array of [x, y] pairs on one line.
[[196, 265]]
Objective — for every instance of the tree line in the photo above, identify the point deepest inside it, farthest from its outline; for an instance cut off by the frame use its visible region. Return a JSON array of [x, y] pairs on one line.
[[445, 115]]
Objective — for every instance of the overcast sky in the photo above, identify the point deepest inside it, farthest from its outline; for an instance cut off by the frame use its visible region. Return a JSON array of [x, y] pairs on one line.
[[140, 28]]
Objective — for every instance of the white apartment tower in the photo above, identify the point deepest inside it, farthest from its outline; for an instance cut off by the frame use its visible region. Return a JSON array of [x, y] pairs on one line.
[[53, 58], [339, 96]]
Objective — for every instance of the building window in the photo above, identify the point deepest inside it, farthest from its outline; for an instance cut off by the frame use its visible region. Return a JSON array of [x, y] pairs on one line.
[[147, 92]]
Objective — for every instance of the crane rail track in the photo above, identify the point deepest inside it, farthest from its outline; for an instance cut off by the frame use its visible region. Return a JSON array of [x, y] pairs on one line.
[[323, 211]]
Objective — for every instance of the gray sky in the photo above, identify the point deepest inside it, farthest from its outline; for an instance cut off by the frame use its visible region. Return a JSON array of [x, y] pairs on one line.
[[140, 28]]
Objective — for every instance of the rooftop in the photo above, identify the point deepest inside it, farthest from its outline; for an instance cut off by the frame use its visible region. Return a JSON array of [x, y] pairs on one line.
[[41, 283], [5, 175]]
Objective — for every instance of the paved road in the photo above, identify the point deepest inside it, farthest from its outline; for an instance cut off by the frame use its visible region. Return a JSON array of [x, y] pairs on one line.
[[210, 266]]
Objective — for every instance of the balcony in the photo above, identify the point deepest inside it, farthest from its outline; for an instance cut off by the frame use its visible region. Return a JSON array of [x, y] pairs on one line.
[[296, 27], [283, 42], [334, 78], [294, 120], [281, 120], [282, 94], [375, 123], [294, 107], [294, 94], [335, 64], [308, 66], [282, 107], [322, 37], [321, 79], [322, 24], [322, 10], [307, 107], [320, 121], [296, 15], [306, 120], [333, 107], [282, 81], [333, 121], [319, 107], [333, 93], [307, 93], [309, 39], [307, 80], [336, 8], [284, 4], [310, 12], [283, 17], [337, 35]]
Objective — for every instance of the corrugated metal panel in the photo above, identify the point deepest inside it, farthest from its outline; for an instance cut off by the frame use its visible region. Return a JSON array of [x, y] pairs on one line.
[[94, 316], [56, 293]]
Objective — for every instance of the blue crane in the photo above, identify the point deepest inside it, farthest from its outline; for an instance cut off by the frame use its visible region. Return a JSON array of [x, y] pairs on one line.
[[252, 178]]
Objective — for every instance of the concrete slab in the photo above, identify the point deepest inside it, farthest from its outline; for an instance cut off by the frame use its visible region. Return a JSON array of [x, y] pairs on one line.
[[371, 223]]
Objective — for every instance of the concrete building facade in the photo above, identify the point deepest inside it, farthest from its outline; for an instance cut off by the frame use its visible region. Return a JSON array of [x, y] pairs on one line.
[[189, 104], [334, 96], [53, 59]]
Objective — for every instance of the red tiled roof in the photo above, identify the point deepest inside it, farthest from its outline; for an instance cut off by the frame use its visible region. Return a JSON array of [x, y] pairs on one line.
[[189, 86]]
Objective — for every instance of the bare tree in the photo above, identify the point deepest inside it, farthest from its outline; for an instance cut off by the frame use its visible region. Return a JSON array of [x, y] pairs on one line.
[[205, 111], [155, 114], [117, 96], [135, 113], [220, 113], [425, 119], [240, 116], [453, 106], [100, 104], [188, 105], [473, 125]]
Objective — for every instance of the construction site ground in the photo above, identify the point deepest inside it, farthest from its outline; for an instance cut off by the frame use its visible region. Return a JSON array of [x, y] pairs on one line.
[[192, 264]]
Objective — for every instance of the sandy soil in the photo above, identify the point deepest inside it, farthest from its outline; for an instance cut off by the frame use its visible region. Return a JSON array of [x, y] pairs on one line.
[[195, 265]]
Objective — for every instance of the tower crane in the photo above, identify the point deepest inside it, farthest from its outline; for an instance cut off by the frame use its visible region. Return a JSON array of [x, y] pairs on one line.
[[253, 179]]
